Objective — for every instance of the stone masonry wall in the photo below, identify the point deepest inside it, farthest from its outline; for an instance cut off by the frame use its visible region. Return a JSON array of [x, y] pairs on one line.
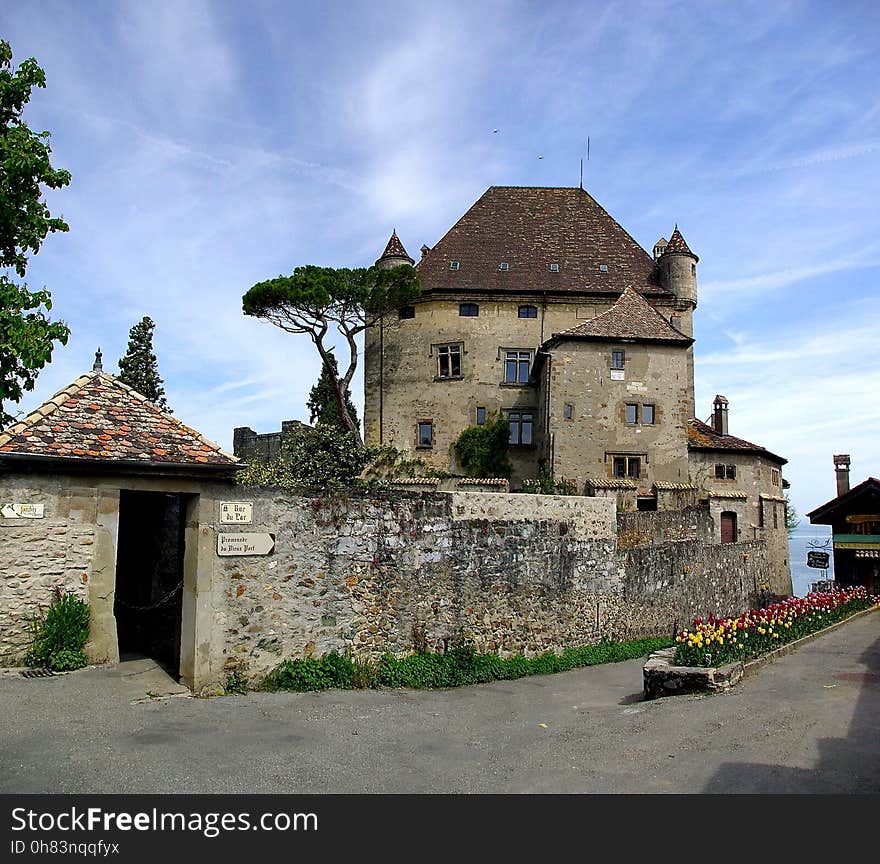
[[668, 585], [39, 555], [395, 573], [636, 529], [375, 572]]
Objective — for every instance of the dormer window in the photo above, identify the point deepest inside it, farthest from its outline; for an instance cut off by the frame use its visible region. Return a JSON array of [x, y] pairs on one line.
[[454, 265], [554, 268], [504, 266], [603, 268]]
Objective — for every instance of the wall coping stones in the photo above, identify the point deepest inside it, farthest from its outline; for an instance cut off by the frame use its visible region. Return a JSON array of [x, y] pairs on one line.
[[661, 678], [589, 518]]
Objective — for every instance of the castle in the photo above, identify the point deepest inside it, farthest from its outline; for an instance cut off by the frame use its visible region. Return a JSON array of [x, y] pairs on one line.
[[539, 305]]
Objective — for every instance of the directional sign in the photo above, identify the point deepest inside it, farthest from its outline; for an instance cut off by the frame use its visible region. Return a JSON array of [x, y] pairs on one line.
[[245, 544], [818, 560], [22, 511]]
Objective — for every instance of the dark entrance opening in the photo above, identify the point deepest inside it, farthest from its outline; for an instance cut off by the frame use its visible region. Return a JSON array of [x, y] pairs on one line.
[[149, 577], [728, 527]]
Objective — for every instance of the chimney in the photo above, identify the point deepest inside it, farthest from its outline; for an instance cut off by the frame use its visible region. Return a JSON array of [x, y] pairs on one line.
[[719, 415], [841, 471]]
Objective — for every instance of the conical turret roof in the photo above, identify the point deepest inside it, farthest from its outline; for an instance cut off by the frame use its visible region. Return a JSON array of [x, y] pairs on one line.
[[394, 249], [677, 243]]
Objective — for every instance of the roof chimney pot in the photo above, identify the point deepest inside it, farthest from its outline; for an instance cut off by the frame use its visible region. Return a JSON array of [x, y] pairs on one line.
[[719, 415], [841, 471]]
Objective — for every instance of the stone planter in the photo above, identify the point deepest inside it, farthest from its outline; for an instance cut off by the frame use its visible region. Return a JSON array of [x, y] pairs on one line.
[[661, 678]]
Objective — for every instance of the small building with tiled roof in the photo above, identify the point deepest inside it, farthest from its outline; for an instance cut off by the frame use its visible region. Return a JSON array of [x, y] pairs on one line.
[[98, 423], [105, 495], [854, 517]]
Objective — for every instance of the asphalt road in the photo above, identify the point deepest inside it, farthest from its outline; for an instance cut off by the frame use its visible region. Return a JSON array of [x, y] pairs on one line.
[[808, 723]]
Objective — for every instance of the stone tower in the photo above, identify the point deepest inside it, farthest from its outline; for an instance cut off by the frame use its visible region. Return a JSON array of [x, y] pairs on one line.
[[677, 269], [375, 350]]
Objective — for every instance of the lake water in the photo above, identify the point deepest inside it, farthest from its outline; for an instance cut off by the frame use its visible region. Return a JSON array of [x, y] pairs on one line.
[[808, 537]]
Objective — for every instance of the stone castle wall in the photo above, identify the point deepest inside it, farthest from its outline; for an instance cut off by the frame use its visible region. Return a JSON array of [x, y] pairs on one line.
[[375, 572]]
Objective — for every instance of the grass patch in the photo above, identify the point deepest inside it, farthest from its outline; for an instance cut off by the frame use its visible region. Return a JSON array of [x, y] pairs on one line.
[[458, 667]]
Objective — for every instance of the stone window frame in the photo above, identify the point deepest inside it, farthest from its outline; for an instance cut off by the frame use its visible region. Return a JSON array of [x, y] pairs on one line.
[[775, 477], [405, 313], [528, 308], [503, 353], [477, 415], [424, 421], [614, 365], [473, 310], [639, 413], [521, 414], [568, 411], [611, 458], [437, 351], [725, 471]]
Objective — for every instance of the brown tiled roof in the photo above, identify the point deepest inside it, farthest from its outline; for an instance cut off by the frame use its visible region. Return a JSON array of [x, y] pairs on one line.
[[665, 486], [677, 243], [611, 483], [531, 228], [394, 249], [701, 436], [631, 317], [97, 417], [728, 493]]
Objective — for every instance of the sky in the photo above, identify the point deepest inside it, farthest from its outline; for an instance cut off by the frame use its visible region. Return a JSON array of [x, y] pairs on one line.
[[216, 144]]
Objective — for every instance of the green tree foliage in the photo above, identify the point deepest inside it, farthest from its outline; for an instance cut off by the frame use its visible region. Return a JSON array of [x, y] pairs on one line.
[[482, 450], [791, 516], [27, 336], [139, 367], [325, 457], [322, 301], [323, 410]]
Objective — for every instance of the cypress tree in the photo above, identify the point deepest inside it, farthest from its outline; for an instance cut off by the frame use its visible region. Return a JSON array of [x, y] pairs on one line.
[[323, 410], [139, 368]]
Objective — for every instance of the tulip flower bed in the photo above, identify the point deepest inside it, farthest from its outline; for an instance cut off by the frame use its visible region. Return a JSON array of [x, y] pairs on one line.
[[718, 641]]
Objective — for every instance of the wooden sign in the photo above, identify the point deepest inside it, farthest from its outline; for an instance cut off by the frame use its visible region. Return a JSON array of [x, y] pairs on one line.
[[245, 544], [818, 560], [22, 511]]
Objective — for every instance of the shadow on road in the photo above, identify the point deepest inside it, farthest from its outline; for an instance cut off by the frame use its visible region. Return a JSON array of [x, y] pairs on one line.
[[847, 764]]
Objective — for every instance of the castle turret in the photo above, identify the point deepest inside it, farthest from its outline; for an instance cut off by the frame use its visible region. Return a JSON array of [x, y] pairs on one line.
[[394, 255], [678, 270]]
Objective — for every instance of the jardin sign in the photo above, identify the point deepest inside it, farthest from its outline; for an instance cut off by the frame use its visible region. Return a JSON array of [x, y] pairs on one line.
[[22, 511], [818, 560]]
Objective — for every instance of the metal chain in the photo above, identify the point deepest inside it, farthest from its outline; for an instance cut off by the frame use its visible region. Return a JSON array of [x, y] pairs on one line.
[[156, 605]]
